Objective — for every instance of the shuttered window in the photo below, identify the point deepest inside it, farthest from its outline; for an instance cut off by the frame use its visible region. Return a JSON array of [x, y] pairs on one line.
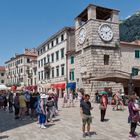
[[137, 53]]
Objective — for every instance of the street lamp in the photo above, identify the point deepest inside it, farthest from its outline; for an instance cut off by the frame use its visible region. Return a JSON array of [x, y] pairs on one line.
[[130, 83]]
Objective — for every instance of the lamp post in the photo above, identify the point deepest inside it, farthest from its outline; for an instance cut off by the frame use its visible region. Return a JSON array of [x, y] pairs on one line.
[[130, 82], [130, 85]]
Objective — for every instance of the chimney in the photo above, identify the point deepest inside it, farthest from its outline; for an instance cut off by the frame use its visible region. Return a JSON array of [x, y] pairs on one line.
[[26, 51]]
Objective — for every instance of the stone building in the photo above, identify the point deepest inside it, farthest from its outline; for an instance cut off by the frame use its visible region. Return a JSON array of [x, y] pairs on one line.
[[52, 60], [71, 69], [2, 75], [20, 69], [130, 57], [130, 60], [97, 47]]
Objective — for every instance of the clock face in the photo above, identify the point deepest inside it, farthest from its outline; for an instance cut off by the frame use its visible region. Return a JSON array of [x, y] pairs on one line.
[[105, 32], [82, 36]]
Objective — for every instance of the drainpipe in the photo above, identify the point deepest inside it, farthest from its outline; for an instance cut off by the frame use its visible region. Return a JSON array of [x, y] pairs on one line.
[[67, 56], [130, 89]]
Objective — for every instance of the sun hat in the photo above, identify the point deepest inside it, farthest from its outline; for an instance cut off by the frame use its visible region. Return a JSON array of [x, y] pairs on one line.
[[50, 91], [43, 95]]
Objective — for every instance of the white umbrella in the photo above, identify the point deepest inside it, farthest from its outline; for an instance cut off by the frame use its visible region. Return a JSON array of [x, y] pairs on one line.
[[3, 87]]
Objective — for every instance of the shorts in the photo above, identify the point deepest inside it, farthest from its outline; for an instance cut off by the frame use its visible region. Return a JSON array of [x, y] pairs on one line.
[[87, 119]]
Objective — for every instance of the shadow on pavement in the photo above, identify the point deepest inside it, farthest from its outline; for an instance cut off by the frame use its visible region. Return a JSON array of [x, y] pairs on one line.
[[106, 120], [7, 121], [93, 133], [3, 137], [49, 125], [56, 120]]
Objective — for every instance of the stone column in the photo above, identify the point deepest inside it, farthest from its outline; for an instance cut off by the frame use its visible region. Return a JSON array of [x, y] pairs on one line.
[[115, 16], [91, 12], [77, 23]]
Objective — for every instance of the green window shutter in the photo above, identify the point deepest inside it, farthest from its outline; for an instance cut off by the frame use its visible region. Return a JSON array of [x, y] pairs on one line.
[[134, 71], [137, 54], [72, 59], [73, 75], [70, 75]]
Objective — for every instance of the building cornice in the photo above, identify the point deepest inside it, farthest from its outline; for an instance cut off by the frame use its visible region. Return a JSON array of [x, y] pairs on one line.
[[67, 29], [19, 56]]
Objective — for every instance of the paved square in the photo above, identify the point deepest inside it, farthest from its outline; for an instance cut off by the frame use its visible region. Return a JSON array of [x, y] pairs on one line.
[[67, 126]]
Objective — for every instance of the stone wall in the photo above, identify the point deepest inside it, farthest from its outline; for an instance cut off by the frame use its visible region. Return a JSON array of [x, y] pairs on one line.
[[93, 86], [99, 68], [92, 35], [92, 59], [128, 60]]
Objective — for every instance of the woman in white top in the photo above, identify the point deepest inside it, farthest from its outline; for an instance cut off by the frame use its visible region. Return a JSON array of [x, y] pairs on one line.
[[65, 99], [71, 103]]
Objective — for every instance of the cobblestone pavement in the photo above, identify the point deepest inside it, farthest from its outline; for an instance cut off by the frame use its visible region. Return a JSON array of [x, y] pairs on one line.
[[67, 126]]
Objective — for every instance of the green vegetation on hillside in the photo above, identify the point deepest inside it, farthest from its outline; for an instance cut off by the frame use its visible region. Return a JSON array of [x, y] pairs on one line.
[[130, 28]]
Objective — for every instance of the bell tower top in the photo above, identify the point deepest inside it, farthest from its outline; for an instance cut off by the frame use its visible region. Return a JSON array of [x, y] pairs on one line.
[[97, 13]]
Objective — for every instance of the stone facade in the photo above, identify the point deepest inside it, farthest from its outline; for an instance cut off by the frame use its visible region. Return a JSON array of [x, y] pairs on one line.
[[92, 35], [91, 54], [20, 69], [2, 75], [128, 59], [57, 45]]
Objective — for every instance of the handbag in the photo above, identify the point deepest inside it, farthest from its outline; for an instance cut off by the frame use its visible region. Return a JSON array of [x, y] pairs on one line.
[[135, 118], [101, 107]]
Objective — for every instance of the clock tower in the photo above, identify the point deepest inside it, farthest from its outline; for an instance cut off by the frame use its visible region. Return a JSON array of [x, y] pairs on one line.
[[97, 45]]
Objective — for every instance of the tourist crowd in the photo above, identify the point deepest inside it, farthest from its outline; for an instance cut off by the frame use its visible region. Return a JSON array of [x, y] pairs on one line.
[[39, 106], [43, 106]]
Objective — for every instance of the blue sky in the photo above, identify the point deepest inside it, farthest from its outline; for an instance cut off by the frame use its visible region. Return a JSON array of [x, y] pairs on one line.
[[27, 23]]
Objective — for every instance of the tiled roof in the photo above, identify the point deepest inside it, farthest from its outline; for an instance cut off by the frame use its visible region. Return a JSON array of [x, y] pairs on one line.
[[134, 43], [2, 68], [27, 53]]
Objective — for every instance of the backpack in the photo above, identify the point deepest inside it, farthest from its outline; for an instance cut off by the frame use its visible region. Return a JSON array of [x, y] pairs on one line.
[[50, 103], [38, 108], [27, 96]]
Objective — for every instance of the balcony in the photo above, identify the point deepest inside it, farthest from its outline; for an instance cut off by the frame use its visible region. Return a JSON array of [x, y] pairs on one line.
[[30, 75], [47, 67]]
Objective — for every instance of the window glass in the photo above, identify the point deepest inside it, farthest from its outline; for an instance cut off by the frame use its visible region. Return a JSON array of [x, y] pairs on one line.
[[135, 71], [57, 71], [106, 59], [62, 69], [57, 55], [62, 53], [137, 54]]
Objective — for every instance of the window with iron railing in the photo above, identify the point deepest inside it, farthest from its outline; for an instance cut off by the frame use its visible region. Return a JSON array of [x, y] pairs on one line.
[[57, 55], [52, 72], [57, 71], [62, 69], [62, 53]]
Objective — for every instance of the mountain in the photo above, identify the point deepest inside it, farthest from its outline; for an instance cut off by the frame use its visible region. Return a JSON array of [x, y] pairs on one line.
[[130, 28]]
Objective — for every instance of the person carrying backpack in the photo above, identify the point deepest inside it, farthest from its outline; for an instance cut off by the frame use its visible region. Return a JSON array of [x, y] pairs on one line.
[[51, 107], [10, 100], [27, 99], [41, 110]]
